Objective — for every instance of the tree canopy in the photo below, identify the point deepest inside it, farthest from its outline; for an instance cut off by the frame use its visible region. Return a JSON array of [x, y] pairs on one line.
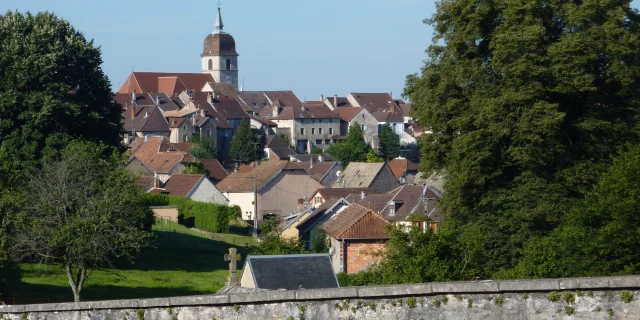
[[84, 211], [354, 148], [52, 90], [527, 102], [245, 146]]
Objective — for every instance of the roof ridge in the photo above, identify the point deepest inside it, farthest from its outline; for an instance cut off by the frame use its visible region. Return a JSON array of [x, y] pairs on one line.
[[357, 220]]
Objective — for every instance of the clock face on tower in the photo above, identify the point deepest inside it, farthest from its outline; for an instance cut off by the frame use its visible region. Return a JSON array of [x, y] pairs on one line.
[[229, 79]]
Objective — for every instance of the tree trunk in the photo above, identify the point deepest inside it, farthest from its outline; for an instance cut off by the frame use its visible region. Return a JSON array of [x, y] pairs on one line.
[[76, 281]]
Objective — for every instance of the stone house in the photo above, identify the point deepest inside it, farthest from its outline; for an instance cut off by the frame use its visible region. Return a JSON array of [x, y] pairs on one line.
[[195, 187], [274, 187], [356, 235], [350, 116], [376, 176]]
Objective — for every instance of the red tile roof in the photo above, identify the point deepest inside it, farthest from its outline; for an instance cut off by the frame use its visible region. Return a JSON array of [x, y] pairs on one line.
[[181, 184], [244, 182], [160, 162], [400, 166], [150, 82], [319, 169], [356, 221], [376, 101], [216, 171], [286, 98], [347, 113]]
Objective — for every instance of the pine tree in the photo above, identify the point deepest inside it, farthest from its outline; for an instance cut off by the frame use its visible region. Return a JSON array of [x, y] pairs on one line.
[[389, 143], [244, 145]]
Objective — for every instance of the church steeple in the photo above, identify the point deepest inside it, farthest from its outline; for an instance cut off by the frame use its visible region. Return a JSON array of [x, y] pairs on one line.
[[219, 24]]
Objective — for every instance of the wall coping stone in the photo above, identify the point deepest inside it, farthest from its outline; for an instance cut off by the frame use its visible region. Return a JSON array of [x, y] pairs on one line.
[[389, 291]]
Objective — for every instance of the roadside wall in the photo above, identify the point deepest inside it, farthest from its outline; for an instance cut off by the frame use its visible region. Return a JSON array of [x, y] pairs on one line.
[[578, 298]]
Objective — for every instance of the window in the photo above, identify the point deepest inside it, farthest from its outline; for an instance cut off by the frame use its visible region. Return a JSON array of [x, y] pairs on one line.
[[318, 141], [228, 64], [313, 130], [318, 199], [319, 130], [210, 64], [327, 141], [302, 131], [365, 127], [330, 130]]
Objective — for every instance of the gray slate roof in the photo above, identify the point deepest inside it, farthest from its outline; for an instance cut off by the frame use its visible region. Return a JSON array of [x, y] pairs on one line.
[[358, 175], [292, 272]]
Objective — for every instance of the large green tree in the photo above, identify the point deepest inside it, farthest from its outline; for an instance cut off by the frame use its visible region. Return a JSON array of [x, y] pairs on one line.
[[389, 142], [84, 212], [245, 146], [52, 90], [354, 148], [527, 101]]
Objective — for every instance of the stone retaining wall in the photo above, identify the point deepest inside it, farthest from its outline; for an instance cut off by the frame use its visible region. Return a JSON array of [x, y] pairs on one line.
[[577, 298]]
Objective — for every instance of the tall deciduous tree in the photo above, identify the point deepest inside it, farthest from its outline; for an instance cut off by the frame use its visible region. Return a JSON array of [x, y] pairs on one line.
[[84, 211], [354, 148], [52, 90], [527, 101], [389, 142], [244, 144]]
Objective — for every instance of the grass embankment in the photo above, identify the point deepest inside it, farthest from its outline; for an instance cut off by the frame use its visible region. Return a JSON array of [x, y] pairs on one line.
[[183, 262]]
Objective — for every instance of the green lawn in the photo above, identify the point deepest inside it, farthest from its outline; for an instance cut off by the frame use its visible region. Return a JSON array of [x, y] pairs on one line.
[[182, 262]]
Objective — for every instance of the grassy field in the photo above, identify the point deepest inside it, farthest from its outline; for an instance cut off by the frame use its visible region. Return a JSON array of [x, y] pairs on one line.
[[182, 262]]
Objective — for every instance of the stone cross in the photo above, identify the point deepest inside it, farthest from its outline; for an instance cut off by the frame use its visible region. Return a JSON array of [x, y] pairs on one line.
[[233, 256]]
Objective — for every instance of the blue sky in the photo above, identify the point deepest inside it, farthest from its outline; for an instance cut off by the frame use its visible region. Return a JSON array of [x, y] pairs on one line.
[[311, 47]]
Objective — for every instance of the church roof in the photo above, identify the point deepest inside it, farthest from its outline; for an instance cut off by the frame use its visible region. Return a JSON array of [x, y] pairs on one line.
[[291, 272], [219, 44], [165, 82]]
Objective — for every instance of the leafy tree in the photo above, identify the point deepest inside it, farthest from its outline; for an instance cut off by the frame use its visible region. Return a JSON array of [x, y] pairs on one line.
[[316, 150], [527, 102], [52, 90], [244, 145], [354, 148], [270, 224], [203, 148], [389, 143], [84, 211], [600, 235], [373, 157], [272, 244], [320, 241], [195, 168]]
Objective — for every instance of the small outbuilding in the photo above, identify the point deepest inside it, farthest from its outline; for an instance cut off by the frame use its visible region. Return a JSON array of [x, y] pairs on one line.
[[289, 272]]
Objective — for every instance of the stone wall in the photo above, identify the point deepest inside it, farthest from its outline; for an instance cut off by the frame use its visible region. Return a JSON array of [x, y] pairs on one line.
[[579, 298]]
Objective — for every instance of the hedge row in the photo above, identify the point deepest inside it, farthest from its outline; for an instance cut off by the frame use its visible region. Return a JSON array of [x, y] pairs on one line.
[[211, 217]]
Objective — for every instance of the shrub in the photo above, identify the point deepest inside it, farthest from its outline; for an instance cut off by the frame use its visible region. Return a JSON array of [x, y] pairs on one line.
[[568, 297], [553, 296], [569, 310], [499, 301], [210, 217], [411, 302]]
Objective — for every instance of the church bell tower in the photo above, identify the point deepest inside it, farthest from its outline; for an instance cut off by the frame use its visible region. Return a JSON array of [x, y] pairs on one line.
[[219, 57]]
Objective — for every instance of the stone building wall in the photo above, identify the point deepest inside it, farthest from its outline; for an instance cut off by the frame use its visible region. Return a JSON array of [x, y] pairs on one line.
[[578, 298]]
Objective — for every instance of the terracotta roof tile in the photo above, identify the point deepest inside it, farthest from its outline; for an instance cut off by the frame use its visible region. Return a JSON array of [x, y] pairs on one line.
[[216, 171], [356, 221], [347, 113], [181, 184], [160, 162], [150, 82], [145, 182], [319, 169], [243, 182], [229, 108], [400, 166], [376, 101], [286, 98]]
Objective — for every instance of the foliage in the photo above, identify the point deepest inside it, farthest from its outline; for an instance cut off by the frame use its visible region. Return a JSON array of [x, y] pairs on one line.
[[626, 296], [568, 297], [52, 90], [389, 143], [354, 148], [206, 216], [84, 211], [245, 146], [316, 150], [320, 241], [272, 244], [598, 235], [203, 148], [195, 168], [527, 102], [372, 157], [270, 224], [553, 296]]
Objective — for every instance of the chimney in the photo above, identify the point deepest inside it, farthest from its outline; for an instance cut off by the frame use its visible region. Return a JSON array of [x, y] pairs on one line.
[[134, 97], [311, 162], [146, 138], [321, 158], [335, 100], [210, 98], [322, 97], [133, 111], [159, 100], [193, 119], [391, 95], [202, 113], [156, 182], [363, 195], [146, 114]]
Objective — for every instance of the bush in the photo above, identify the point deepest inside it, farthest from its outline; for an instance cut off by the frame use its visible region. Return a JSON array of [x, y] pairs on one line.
[[626, 296], [210, 217]]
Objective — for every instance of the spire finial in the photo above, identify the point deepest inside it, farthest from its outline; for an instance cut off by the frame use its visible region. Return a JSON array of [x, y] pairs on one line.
[[219, 24]]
